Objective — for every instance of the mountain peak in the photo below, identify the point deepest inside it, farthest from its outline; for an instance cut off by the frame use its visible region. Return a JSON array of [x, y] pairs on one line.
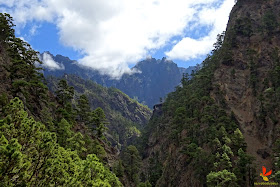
[[156, 74]]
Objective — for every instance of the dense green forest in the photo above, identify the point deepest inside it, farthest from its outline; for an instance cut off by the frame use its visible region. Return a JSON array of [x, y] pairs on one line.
[[219, 127], [222, 126], [207, 138], [39, 145], [125, 116]]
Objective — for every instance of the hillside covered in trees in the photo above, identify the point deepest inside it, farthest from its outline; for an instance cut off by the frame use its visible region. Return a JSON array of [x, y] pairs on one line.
[[222, 126], [44, 141], [125, 117]]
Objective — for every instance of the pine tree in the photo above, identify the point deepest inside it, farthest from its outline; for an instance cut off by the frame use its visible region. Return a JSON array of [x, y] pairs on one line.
[[100, 122], [6, 24], [132, 161], [83, 109], [221, 179], [64, 92], [64, 132], [21, 67], [238, 140], [119, 169], [30, 155]]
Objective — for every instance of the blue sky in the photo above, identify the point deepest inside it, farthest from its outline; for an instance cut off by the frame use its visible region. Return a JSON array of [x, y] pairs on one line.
[[46, 38], [112, 36]]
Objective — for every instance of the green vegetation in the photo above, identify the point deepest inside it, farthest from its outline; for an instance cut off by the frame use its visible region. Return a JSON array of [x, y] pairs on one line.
[[243, 27], [200, 128], [64, 93], [30, 156], [145, 184], [155, 170], [83, 109], [270, 22], [253, 70], [65, 139], [126, 117], [132, 160], [221, 178], [21, 70], [43, 141], [270, 104]]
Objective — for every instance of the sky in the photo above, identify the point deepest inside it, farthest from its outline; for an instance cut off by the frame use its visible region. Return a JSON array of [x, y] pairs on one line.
[[112, 36]]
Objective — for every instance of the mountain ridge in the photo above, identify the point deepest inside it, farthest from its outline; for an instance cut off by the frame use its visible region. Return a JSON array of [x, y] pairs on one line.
[[222, 126], [154, 80], [126, 117]]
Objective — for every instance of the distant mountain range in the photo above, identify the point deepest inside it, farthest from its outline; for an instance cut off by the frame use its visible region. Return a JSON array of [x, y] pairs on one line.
[[126, 116], [156, 80]]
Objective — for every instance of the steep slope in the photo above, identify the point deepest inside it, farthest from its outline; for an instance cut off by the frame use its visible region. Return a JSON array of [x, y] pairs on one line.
[[250, 82], [41, 142], [252, 91], [157, 78], [126, 117], [199, 136]]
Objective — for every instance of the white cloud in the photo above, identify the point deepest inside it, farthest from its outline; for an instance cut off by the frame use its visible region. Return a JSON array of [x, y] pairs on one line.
[[114, 34], [33, 31], [49, 63], [9, 3], [189, 48]]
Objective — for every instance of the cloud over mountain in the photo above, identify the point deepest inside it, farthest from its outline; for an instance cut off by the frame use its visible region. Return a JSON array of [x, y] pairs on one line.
[[113, 34], [49, 63]]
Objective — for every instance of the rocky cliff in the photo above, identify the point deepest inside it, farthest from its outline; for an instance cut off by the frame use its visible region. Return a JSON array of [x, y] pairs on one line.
[[154, 80], [249, 83], [222, 126]]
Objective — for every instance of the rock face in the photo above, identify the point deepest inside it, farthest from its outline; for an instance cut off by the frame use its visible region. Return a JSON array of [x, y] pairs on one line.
[[239, 86], [254, 33], [156, 78]]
